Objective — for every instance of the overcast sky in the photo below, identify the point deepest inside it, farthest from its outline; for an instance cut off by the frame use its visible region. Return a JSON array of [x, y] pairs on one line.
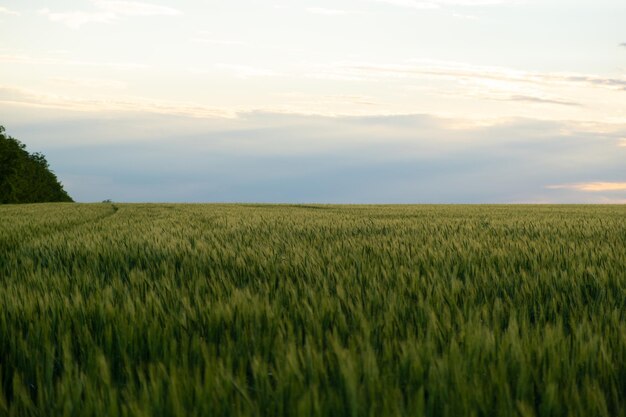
[[364, 101]]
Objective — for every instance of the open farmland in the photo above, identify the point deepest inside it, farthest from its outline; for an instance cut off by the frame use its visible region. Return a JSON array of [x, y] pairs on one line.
[[259, 310]]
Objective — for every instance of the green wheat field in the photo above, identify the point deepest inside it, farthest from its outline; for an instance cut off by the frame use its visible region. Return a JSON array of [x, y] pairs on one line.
[[277, 310]]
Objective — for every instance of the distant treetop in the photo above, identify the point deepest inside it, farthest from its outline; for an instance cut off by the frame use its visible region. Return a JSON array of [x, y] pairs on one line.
[[25, 177]]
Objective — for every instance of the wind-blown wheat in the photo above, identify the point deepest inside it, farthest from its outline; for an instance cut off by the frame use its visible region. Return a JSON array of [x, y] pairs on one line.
[[259, 310]]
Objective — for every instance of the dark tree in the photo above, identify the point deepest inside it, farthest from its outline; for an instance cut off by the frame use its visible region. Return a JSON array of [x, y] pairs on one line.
[[25, 177]]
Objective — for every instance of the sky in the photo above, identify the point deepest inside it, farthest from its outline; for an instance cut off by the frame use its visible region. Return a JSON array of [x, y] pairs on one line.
[[342, 101]]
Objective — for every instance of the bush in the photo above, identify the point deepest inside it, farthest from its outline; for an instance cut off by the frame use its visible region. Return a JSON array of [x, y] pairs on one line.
[[25, 177]]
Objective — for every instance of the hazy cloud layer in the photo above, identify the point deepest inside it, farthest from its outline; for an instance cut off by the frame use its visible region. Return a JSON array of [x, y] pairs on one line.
[[472, 72], [390, 89], [294, 158], [17, 96]]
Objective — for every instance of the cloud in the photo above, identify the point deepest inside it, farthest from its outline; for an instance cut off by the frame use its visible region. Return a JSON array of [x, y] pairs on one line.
[[223, 42], [497, 90], [209, 38], [453, 70], [464, 16], [22, 97], [89, 83], [457, 83], [436, 4], [614, 83], [593, 187], [107, 11], [456, 80], [54, 59], [4, 10], [96, 97], [331, 12], [76, 19], [133, 8], [309, 100], [246, 71], [541, 100], [204, 36], [623, 44], [413, 4], [474, 2]]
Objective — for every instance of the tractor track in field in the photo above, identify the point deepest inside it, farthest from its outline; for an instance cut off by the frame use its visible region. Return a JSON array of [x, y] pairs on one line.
[[7, 248]]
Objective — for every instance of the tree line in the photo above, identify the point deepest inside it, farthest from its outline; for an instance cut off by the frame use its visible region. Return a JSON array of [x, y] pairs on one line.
[[26, 177]]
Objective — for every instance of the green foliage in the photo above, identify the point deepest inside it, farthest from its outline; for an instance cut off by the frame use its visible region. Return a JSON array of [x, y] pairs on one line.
[[24, 177], [241, 310]]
